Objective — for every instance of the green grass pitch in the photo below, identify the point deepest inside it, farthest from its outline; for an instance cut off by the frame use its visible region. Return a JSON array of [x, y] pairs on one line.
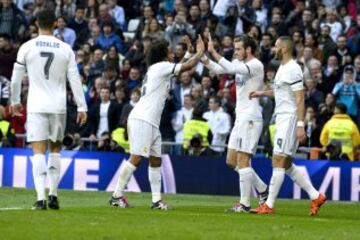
[[87, 215]]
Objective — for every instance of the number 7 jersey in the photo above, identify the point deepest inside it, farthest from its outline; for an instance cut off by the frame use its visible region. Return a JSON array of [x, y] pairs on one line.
[[49, 62]]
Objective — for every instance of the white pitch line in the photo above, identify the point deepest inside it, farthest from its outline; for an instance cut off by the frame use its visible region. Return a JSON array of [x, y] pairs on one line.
[[11, 208]]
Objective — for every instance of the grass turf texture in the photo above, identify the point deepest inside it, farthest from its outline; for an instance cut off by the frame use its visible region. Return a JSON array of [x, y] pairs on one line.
[[87, 215]]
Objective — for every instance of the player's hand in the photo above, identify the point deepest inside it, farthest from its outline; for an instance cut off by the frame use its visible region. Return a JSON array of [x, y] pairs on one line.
[[15, 110], [81, 118], [200, 46], [211, 48], [186, 39], [300, 134], [255, 94]]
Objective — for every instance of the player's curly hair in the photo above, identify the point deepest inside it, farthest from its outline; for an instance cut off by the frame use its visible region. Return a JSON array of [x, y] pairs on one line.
[[157, 52]]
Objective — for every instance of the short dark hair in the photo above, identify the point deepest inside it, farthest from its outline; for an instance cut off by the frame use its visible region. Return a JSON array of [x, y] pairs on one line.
[[5, 36], [157, 52], [216, 99], [46, 19], [248, 42], [341, 107], [287, 40]]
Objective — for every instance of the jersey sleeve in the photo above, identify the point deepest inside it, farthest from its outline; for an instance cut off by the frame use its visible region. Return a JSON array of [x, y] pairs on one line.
[[235, 66], [295, 78], [215, 67], [168, 68], [18, 74], [75, 84]]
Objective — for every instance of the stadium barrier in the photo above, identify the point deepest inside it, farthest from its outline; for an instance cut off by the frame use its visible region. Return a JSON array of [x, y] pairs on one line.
[[181, 174]]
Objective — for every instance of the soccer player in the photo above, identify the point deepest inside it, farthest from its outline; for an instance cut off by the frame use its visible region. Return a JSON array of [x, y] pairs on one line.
[[289, 110], [144, 120], [48, 63], [248, 125]]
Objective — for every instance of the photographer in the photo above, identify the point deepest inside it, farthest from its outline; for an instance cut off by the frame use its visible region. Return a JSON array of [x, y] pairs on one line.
[[333, 151], [197, 147]]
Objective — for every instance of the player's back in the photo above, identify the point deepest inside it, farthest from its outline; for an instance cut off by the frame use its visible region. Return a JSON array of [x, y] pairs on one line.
[[254, 81], [155, 90], [47, 61], [287, 79]]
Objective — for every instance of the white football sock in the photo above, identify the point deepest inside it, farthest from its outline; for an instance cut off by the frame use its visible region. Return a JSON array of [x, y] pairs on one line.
[[276, 181], [258, 183], [124, 177], [39, 175], [155, 183], [246, 179], [53, 171], [300, 180]]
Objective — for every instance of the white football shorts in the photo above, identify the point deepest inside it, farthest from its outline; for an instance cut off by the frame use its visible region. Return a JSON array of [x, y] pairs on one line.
[[144, 138], [45, 126], [285, 140], [245, 136]]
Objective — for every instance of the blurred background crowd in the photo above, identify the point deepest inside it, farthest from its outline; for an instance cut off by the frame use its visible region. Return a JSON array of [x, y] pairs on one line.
[[110, 39]]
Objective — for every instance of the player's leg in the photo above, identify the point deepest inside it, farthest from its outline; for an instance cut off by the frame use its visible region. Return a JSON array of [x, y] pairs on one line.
[[39, 172], [140, 141], [245, 180], [154, 172], [57, 124], [37, 134], [53, 172]]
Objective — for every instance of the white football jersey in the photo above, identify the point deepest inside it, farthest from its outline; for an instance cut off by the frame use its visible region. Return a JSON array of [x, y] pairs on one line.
[[155, 90], [288, 78], [249, 77], [49, 62]]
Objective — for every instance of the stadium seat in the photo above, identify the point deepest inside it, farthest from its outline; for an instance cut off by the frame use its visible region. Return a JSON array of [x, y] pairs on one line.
[[132, 27]]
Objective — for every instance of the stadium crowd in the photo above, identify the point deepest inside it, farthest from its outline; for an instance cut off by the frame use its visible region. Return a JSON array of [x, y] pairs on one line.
[[111, 38]]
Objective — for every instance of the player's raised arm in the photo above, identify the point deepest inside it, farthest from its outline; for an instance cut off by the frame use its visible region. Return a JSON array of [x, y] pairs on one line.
[[189, 64], [213, 66], [75, 84]]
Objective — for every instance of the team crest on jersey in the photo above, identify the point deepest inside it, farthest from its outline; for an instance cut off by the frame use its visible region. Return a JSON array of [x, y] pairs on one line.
[[240, 80]]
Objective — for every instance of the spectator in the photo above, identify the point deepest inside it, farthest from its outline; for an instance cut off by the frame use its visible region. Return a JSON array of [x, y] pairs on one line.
[[65, 8], [335, 26], [80, 26], [4, 90], [7, 137], [312, 128], [200, 103], [342, 50], [114, 58], [105, 17], [153, 30], [94, 34], [311, 41], [340, 127], [331, 72], [178, 29], [326, 109], [266, 53], [194, 18], [147, 15], [206, 84], [105, 115], [219, 122], [8, 55], [357, 68], [245, 17], [134, 79], [134, 99], [326, 43], [182, 89], [117, 12], [348, 91], [307, 59], [183, 115], [261, 14], [313, 97], [136, 54], [108, 38], [12, 19], [97, 66], [66, 34], [92, 10]]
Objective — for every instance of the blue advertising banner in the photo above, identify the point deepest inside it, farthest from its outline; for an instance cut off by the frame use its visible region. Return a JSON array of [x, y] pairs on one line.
[[181, 174]]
